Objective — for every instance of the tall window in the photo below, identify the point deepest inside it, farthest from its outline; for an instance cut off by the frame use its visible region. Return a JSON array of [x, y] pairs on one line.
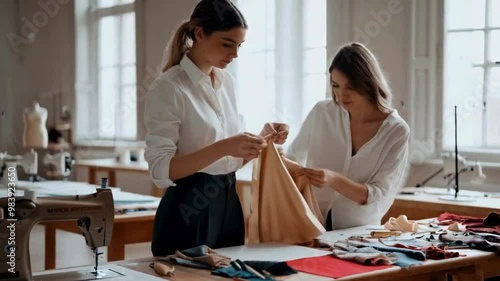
[[472, 73], [111, 90], [281, 70]]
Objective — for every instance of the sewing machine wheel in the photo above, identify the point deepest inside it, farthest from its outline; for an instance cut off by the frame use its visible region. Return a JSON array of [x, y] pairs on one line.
[[84, 275]]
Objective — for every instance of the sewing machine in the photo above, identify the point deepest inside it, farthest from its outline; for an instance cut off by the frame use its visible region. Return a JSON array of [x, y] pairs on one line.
[[94, 214], [29, 162], [58, 165]]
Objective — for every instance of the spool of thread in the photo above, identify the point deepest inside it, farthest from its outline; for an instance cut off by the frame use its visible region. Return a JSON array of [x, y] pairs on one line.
[[104, 182]]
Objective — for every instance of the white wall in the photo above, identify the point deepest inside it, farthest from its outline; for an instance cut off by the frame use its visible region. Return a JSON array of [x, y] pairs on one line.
[[39, 70], [160, 20], [10, 123], [384, 26]]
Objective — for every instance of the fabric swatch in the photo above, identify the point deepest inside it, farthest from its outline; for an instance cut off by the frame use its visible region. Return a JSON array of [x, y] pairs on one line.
[[330, 266]]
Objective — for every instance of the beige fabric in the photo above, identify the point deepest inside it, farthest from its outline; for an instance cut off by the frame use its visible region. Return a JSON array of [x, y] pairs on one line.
[[401, 223], [457, 227], [302, 182], [279, 210]]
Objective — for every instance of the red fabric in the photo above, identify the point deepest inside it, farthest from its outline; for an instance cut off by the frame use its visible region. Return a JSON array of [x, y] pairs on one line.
[[482, 228], [330, 266], [435, 253], [449, 218], [489, 224]]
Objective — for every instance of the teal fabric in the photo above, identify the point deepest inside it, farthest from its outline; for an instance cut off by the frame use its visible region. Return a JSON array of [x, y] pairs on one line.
[[238, 269], [405, 261]]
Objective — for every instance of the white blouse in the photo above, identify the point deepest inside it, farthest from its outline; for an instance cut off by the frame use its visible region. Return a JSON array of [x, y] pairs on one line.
[[184, 113], [324, 142]]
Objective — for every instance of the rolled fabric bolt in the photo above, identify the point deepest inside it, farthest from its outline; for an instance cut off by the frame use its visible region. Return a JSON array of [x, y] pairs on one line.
[[163, 269], [104, 182]]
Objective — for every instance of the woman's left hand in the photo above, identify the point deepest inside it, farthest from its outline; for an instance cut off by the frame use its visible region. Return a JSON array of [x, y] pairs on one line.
[[320, 177], [278, 131]]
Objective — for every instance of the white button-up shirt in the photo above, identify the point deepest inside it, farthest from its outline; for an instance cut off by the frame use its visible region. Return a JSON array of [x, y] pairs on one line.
[[184, 113], [324, 142]]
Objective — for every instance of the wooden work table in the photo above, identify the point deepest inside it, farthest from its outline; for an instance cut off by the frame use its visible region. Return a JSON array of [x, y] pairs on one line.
[[475, 266], [423, 205], [111, 167], [137, 227]]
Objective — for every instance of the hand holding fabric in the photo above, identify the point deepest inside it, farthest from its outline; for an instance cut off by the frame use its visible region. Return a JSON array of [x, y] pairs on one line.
[[244, 145], [320, 177], [292, 166], [278, 131]]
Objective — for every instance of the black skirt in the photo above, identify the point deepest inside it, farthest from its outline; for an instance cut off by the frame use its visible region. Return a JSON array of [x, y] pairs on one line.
[[201, 209]]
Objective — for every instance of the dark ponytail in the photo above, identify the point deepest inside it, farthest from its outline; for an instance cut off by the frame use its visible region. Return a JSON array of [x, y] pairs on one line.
[[211, 16]]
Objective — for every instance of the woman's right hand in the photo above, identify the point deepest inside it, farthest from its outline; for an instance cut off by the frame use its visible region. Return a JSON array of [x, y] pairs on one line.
[[244, 145]]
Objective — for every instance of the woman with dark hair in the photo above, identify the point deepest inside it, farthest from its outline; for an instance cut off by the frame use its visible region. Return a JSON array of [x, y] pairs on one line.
[[194, 142], [355, 146]]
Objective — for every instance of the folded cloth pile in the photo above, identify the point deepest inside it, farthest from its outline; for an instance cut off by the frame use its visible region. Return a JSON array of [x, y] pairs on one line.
[[415, 254], [490, 237], [431, 252], [398, 256], [473, 241], [200, 257], [363, 255], [489, 224]]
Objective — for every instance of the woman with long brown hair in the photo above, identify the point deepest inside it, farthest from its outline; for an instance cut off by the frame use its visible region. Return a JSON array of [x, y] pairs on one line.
[[355, 145], [194, 142]]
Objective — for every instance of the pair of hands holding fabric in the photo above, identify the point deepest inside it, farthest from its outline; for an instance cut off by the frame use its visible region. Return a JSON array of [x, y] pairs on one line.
[[248, 146], [320, 177], [317, 177]]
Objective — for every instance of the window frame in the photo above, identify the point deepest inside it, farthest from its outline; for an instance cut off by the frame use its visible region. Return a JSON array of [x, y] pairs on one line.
[[91, 18], [483, 154]]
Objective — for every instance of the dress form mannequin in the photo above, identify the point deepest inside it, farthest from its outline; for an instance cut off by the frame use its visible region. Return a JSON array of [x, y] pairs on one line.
[[35, 133]]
